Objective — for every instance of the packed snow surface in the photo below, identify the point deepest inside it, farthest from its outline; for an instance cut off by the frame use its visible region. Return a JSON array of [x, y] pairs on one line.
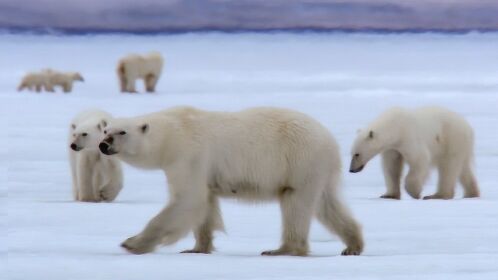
[[342, 80]]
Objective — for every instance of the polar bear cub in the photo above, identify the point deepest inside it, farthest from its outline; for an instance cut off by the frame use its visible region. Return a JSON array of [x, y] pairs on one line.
[[96, 177], [133, 67], [258, 154], [424, 137], [62, 79]]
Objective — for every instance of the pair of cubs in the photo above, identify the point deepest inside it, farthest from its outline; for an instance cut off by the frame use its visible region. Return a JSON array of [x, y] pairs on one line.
[[263, 154]]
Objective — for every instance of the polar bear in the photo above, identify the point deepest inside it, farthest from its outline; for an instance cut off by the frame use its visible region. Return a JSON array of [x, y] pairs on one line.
[[134, 66], [424, 137], [62, 79], [96, 177], [34, 81], [258, 154]]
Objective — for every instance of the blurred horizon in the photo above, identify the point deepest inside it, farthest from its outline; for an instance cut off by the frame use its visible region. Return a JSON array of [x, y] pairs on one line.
[[164, 16]]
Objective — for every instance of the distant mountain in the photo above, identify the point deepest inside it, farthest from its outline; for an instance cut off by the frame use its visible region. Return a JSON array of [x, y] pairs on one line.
[[152, 16]]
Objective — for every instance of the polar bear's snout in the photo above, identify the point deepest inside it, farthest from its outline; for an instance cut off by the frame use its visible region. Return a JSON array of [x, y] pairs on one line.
[[356, 164], [106, 146], [75, 147]]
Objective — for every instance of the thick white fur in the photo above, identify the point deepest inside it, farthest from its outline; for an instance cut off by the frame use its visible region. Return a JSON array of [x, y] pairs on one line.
[[256, 154], [133, 67], [47, 79], [34, 81], [96, 177], [62, 79], [424, 137]]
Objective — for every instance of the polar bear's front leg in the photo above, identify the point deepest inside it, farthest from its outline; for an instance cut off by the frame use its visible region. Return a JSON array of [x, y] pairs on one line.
[[204, 232], [415, 180], [74, 179], [130, 85], [186, 210], [171, 224], [85, 180], [114, 176], [392, 165]]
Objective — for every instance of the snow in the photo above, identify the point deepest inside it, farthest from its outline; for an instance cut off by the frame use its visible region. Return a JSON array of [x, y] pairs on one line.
[[342, 80]]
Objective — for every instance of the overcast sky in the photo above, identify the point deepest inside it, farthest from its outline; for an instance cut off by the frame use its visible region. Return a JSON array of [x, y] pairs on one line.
[[164, 15]]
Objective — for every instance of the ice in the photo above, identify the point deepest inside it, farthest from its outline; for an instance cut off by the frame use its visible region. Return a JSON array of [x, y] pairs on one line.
[[343, 80]]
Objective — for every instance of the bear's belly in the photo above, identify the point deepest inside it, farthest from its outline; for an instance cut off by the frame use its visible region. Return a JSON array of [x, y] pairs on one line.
[[242, 190]]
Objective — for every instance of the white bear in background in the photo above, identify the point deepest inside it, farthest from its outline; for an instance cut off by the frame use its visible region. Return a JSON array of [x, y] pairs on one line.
[[96, 177], [133, 67], [47, 79], [34, 81], [425, 137], [62, 79], [257, 154]]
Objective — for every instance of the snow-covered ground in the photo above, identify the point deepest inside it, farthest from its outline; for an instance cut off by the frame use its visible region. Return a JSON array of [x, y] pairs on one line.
[[342, 80]]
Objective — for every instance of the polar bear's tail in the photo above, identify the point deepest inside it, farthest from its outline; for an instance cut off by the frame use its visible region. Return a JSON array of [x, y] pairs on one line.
[[335, 216]]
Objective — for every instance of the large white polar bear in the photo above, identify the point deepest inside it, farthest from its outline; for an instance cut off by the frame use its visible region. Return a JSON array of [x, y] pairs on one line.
[[96, 177], [256, 154], [424, 137], [133, 67]]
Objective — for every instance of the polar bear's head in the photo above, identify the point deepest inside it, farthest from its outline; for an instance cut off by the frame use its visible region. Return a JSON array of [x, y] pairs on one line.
[[386, 132], [86, 135], [123, 136], [365, 147], [76, 76]]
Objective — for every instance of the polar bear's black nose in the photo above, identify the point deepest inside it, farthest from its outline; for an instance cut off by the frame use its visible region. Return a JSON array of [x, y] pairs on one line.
[[75, 147], [104, 147]]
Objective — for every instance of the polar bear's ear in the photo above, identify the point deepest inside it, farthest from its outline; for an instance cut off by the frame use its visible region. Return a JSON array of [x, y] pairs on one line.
[[371, 134], [144, 128], [101, 125], [73, 126]]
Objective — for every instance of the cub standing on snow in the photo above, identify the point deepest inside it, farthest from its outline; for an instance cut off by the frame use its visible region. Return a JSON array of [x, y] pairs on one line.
[[256, 154], [62, 79], [133, 67], [425, 137], [96, 177]]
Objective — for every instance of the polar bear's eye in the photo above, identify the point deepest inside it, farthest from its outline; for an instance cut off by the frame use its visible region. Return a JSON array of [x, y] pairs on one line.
[[122, 133], [84, 134], [105, 131], [356, 155]]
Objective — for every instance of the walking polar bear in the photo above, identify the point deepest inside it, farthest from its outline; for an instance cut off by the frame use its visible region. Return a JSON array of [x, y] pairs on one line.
[[47, 79], [425, 137], [256, 154], [62, 79], [133, 67], [96, 177]]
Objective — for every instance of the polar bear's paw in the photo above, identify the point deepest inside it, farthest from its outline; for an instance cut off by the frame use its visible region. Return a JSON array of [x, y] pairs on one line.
[[437, 196], [137, 245], [390, 196], [195, 251], [284, 252], [107, 194], [351, 252]]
